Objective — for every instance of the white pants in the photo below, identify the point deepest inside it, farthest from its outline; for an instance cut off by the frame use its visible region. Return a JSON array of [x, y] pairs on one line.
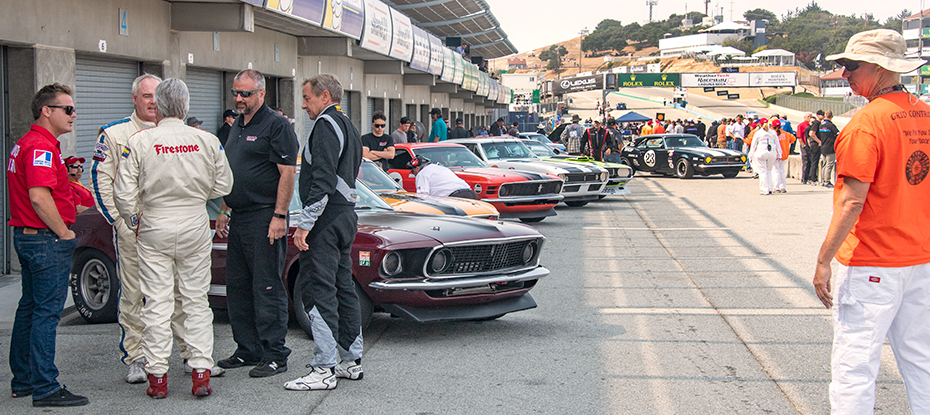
[[780, 177], [872, 303], [765, 162], [130, 298], [174, 263]]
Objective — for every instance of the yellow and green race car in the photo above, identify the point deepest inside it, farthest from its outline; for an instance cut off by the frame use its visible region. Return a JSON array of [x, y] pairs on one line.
[[620, 174]]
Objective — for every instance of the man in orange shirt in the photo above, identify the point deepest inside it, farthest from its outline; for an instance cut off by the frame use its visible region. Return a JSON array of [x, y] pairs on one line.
[[659, 129], [722, 134], [785, 139], [647, 128], [880, 230]]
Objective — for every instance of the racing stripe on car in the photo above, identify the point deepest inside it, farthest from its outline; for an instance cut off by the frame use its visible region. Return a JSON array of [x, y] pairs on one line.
[[528, 176], [442, 207]]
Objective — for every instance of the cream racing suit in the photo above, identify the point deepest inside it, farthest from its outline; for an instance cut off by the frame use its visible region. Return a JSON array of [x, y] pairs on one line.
[[167, 175]]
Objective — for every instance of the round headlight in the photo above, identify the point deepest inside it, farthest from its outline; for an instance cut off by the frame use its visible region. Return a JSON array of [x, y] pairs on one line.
[[478, 188], [563, 176], [529, 251], [392, 264], [603, 176], [504, 191], [708, 160], [440, 261]]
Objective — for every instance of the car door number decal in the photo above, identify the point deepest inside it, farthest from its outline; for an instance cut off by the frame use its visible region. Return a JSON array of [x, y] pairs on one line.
[[650, 158]]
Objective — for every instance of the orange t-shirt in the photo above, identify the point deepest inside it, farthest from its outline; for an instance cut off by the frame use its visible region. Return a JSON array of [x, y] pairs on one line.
[[722, 133], [646, 130], [786, 139], [748, 138], [887, 144], [659, 129]]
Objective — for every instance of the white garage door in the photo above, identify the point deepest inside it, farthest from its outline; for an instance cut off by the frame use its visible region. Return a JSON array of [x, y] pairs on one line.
[[103, 94], [206, 89]]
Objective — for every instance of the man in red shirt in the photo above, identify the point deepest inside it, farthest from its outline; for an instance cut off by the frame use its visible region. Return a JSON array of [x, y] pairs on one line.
[[83, 199], [41, 210]]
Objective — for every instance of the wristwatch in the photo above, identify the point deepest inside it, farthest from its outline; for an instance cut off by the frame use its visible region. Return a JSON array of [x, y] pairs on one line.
[[279, 216]]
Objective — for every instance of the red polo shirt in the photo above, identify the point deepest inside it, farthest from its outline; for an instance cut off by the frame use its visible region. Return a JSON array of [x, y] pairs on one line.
[[36, 161]]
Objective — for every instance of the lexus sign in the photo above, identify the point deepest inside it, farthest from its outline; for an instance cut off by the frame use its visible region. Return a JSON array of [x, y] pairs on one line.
[[578, 84]]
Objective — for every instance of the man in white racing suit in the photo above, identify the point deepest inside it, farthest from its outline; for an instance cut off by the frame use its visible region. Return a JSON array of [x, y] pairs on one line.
[[165, 179]]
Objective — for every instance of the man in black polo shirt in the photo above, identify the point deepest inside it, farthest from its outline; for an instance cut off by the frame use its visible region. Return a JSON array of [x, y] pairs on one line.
[[262, 151], [459, 131], [377, 146]]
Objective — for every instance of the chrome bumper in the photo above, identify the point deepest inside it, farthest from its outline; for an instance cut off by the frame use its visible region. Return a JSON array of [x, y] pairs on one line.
[[466, 282]]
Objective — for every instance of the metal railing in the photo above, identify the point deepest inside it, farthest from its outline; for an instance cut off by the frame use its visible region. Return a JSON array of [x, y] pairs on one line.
[[814, 104]]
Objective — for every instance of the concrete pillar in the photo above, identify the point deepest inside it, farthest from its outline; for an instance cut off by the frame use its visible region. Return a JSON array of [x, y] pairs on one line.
[[30, 69]]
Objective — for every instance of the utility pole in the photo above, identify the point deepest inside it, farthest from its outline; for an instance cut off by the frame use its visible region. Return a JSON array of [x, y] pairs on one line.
[[581, 35], [707, 7], [651, 4]]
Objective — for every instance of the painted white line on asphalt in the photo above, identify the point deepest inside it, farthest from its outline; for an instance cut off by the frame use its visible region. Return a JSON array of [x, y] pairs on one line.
[[717, 311], [608, 228]]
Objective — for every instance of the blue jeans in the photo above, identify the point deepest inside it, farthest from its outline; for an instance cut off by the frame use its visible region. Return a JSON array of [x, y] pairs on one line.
[[46, 263], [613, 157]]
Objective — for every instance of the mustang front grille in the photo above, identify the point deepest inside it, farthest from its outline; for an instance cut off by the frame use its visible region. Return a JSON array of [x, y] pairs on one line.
[[582, 177], [480, 258], [530, 188]]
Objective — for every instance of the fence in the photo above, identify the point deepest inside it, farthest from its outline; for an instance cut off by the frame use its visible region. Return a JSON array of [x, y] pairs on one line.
[[813, 104]]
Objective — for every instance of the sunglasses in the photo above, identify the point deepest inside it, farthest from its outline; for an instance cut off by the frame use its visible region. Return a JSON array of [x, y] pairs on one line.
[[244, 94], [849, 65], [76, 166], [379, 125], [69, 109]]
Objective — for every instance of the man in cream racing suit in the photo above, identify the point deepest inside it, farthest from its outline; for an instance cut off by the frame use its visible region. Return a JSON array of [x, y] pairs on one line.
[[165, 179]]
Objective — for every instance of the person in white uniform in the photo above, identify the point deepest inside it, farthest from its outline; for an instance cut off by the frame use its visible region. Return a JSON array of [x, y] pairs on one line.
[[167, 175], [434, 179], [763, 154]]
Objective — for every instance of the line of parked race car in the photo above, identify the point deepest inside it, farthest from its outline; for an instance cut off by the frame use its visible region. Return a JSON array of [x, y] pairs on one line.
[[417, 257]]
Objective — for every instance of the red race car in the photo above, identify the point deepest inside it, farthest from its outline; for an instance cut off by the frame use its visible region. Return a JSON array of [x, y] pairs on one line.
[[527, 196]]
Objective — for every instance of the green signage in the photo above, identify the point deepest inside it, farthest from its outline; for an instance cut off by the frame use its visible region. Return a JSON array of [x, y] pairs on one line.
[[633, 80], [925, 32], [925, 89], [535, 96], [925, 70]]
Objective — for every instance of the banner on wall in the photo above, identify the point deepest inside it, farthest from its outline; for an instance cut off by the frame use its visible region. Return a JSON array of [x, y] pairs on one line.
[[459, 69], [492, 90], [309, 10], [345, 16], [699, 80], [421, 52], [377, 34], [773, 79], [448, 64], [402, 38], [648, 79], [437, 55], [578, 84]]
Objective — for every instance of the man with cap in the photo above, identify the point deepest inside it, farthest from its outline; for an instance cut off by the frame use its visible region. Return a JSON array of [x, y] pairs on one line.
[[433, 179], [571, 136], [229, 117], [514, 131], [878, 232], [459, 131], [400, 134], [813, 140], [439, 132], [194, 122], [497, 127], [612, 151], [83, 199]]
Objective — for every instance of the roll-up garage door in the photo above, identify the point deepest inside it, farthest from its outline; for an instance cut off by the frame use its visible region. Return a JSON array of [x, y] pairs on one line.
[[308, 123], [103, 94], [371, 110], [206, 89]]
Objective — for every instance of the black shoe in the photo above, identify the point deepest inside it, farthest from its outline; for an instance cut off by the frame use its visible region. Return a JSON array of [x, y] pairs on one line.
[[61, 397], [234, 361], [268, 368]]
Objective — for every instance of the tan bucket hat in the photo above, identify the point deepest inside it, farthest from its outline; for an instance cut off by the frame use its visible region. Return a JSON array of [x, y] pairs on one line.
[[883, 47]]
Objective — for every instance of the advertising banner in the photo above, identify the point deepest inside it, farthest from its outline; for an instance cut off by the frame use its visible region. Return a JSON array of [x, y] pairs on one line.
[[698, 80], [436, 55], [377, 34], [421, 52], [635, 80], [459, 69], [722, 93], [773, 79], [492, 91], [345, 16], [584, 83], [925, 70], [257, 3], [484, 84], [732, 96], [402, 38], [309, 10], [448, 65]]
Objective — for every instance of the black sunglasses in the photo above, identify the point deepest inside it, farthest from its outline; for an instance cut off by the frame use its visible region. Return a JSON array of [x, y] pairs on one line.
[[76, 166], [379, 125], [849, 65], [244, 94], [69, 109]]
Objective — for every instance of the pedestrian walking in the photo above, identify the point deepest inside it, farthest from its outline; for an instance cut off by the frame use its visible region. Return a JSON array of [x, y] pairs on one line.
[[400, 134], [764, 152], [440, 131], [828, 133], [879, 230], [813, 138], [572, 136], [785, 141]]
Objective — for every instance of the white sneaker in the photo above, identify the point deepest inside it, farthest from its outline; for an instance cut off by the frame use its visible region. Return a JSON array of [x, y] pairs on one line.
[[214, 373], [349, 369], [319, 378], [137, 372]]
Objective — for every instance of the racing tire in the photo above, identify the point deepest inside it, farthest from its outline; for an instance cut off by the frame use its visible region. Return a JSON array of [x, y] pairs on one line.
[[626, 161], [577, 204], [365, 307], [730, 174], [94, 287], [532, 220], [684, 169]]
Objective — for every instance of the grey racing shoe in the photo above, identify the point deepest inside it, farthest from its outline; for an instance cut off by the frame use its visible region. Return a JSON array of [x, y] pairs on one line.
[[348, 369], [214, 373], [319, 378], [137, 372]]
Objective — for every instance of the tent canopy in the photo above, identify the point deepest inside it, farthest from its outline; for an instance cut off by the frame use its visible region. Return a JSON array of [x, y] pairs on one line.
[[632, 116], [773, 52]]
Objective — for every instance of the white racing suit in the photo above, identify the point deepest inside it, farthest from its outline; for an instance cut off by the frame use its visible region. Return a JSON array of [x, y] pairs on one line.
[[167, 175], [764, 153]]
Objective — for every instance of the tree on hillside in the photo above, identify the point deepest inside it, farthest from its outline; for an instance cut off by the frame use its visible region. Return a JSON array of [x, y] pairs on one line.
[[554, 55], [895, 23], [760, 14], [609, 35]]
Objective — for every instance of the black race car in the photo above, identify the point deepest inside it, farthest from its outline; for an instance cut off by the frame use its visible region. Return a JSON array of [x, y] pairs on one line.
[[682, 155]]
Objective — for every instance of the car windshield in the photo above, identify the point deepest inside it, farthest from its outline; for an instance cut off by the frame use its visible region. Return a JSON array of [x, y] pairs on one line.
[[537, 137], [507, 150], [684, 141], [377, 179], [539, 149], [365, 199], [450, 156]]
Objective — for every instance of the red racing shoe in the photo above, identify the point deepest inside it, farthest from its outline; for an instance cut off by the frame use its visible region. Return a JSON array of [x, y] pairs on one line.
[[158, 386], [201, 383]]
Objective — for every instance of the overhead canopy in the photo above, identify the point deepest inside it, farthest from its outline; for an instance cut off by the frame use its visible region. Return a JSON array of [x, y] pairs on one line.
[[726, 50], [633, 116], [471, 20], [726, 27], [773, 52]]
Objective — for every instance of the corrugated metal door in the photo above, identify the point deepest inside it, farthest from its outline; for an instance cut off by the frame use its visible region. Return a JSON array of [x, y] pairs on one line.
[[103, 94], [366, 126], [308, 123], [206, 89]]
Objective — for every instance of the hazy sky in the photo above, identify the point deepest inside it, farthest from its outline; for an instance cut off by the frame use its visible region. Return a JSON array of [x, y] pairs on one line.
[[533, 23]]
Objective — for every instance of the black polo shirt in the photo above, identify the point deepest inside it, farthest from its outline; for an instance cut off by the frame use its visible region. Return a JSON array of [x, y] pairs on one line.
[[377, 143], [254, 152]]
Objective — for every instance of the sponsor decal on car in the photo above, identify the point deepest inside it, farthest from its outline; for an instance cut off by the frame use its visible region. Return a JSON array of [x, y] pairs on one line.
[[364, 258]]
